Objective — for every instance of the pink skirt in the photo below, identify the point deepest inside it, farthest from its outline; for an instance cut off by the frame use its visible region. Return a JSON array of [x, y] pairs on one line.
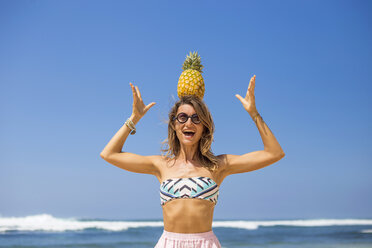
[[188, 240]]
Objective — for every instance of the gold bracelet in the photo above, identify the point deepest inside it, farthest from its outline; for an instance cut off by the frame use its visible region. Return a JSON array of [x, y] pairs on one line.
[[131, 126]]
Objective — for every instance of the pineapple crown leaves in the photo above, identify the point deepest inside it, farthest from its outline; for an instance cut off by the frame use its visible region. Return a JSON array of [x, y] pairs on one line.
[[192, 61]]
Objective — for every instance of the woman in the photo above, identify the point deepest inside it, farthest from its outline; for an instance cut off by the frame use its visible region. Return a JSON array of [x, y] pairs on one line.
[[189, 173]]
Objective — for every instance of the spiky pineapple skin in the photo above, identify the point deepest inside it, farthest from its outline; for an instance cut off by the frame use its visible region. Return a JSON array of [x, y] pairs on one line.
[[191, 82]]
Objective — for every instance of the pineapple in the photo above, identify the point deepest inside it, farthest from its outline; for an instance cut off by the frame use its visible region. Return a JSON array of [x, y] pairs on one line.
[[191, 81]]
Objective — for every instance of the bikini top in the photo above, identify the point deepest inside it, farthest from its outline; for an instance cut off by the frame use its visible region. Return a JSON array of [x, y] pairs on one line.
[[190, 187]]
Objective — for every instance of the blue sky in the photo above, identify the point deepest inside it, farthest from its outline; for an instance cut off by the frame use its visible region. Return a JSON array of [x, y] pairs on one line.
[[65, 68]]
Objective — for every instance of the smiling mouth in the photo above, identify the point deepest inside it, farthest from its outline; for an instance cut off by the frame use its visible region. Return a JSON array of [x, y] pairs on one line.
[[188, 134]]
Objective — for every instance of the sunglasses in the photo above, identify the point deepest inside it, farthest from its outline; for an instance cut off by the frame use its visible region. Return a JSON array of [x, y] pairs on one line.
[[183, 118]]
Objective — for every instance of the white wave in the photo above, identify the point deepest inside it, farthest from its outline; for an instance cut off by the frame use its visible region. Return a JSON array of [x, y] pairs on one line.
[[46, 222], [366, 231], [301, 223]]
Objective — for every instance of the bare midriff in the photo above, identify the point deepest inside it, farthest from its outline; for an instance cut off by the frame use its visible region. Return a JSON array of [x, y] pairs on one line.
[[188, 215]]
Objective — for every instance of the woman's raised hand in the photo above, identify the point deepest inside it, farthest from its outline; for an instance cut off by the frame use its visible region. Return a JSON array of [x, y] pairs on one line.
[[139, 108], [248, 101]]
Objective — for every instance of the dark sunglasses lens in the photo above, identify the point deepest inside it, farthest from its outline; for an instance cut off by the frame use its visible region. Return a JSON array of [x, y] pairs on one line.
[[182, 117], [195, 119]]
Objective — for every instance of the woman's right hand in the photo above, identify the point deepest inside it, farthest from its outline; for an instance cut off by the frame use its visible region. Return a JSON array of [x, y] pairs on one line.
[[139, 108]]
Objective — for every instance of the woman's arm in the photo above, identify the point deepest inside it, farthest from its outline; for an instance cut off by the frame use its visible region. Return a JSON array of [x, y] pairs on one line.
[[129, 161], [258, 159]]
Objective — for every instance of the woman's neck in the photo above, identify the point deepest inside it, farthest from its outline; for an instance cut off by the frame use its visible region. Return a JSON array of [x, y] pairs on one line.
[[188, 153]]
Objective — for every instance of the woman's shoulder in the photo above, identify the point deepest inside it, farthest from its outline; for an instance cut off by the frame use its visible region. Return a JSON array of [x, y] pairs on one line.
[[158, 159], [161, 162]]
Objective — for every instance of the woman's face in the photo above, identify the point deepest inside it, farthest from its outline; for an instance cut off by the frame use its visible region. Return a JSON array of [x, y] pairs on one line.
[[188, 133]]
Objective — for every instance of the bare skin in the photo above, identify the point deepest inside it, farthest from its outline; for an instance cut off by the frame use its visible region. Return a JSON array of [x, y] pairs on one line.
[[191, 215]]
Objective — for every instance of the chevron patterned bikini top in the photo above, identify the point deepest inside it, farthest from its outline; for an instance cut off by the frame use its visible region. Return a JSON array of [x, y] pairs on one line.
[[190, 187]]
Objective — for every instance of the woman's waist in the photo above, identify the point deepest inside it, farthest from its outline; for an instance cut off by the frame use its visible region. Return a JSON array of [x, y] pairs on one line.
[[188, 225], [188, 216]]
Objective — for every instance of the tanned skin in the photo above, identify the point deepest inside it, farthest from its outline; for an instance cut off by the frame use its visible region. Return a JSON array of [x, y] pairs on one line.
[[191, 215]]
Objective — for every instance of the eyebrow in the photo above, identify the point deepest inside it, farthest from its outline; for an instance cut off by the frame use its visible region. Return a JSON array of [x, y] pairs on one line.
[[186, 113]]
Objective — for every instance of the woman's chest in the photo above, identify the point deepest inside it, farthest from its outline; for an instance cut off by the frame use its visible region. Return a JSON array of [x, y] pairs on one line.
[[185, 170]]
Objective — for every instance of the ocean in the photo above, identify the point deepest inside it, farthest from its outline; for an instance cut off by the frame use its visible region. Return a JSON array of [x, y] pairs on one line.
[[48, 231]]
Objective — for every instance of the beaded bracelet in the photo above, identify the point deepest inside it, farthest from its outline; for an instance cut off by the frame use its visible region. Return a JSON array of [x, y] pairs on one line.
[[131, 126]]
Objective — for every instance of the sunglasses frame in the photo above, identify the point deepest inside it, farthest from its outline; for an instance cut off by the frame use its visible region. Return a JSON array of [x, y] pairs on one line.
[[188, 116]]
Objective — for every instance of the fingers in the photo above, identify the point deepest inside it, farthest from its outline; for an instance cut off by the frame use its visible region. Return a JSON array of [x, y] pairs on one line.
[[138, 100], [249, 88], [149, 106], [133, 91], [253, 80], [240, 97], [252, 83], [138, 92]]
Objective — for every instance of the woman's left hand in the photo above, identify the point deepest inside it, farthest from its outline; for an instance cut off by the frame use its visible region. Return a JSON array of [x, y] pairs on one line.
[[248, 101]]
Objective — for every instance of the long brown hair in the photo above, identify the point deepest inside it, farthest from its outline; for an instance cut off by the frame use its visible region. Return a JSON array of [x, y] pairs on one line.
[[204, 153]]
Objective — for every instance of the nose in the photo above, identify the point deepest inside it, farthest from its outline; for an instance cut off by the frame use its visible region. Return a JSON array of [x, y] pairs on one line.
[[189, 121]]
